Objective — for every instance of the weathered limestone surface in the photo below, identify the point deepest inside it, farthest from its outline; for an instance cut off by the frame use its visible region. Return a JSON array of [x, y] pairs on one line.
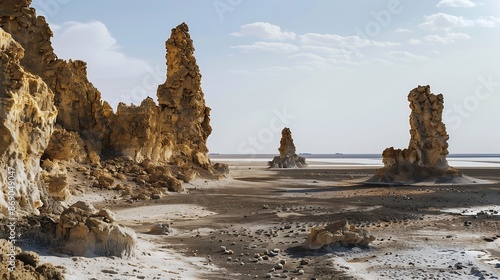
[[287, 158], [27, 115], [176, 130], [65, 145], [425, 156], [88, 232], [26, 265], [79, 105], [338, 233]]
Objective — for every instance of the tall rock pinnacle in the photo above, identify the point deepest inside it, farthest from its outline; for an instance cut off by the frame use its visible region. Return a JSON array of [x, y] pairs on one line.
[[425, 156], [181, 98], [287, 157]]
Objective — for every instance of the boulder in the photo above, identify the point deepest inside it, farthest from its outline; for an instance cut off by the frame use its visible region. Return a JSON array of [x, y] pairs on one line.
[[338, 233], [84, 231]]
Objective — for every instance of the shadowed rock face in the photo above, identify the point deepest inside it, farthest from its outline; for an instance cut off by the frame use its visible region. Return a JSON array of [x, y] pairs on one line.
[[425, 157], [287, 158]]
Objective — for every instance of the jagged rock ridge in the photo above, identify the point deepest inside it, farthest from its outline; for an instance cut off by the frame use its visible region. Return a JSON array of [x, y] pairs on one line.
[[425, 157], [287, 158]]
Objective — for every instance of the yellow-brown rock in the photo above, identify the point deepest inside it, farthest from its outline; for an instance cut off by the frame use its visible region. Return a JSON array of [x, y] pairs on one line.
[[174, 131], [27, 115], [85, 231], [65, 145], [287, 158], [15, 264], [37, 88], [425, 157], [56, 177], [338, 233], [78, 102]]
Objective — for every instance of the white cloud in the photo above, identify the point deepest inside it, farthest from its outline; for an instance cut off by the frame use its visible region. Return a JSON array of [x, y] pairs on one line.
[[456, 3], [446, 39], [264, 30], [268, 46], [310, 59], [119, 77], [405, 56], [334, 40], [402, 30], [442, 21], [414, 42]]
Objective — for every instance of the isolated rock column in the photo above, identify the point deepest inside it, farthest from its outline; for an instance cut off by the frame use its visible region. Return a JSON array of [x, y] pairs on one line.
[[426, 154], [287, 158]]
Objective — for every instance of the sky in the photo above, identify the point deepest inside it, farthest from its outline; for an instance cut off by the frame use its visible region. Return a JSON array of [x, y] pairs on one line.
[[337, 73]]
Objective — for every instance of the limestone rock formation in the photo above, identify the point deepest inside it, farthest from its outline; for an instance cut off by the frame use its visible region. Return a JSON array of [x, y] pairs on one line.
[[65, 145], [55, 175], [425, 157], [78, 102], [27, 115], [88, 232], [172, 133], [175, 131], [338, 233], [24, 265], [287, 158]]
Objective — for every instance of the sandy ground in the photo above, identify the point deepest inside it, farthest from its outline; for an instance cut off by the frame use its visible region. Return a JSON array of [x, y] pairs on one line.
[[243, 226]]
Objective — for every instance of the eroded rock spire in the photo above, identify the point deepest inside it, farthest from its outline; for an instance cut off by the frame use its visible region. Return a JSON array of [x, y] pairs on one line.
[[287, 158], [426, 154]]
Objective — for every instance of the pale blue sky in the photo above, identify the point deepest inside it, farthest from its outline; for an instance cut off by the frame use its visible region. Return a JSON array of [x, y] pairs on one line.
[[336, 72]]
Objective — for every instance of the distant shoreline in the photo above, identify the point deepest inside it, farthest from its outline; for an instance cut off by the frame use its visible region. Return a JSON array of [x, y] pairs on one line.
[[338, 155]]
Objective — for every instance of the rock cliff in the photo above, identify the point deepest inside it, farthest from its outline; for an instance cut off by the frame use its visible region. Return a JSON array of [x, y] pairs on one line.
[[78, 102], [27, 115], [425, 157], [287, 158]]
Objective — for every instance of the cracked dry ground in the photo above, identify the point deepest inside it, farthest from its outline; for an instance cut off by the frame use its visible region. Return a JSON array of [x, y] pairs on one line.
[[264, 215]]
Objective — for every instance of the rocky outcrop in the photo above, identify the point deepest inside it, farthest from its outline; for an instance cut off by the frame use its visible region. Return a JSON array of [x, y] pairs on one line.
[[16, 264], [287, 158], [27, 115], [85, 231], [176, 130], [182, 100], [172, 133], [78, 102], [338, 233], [65, 145], [55, 175], [425, 157]]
